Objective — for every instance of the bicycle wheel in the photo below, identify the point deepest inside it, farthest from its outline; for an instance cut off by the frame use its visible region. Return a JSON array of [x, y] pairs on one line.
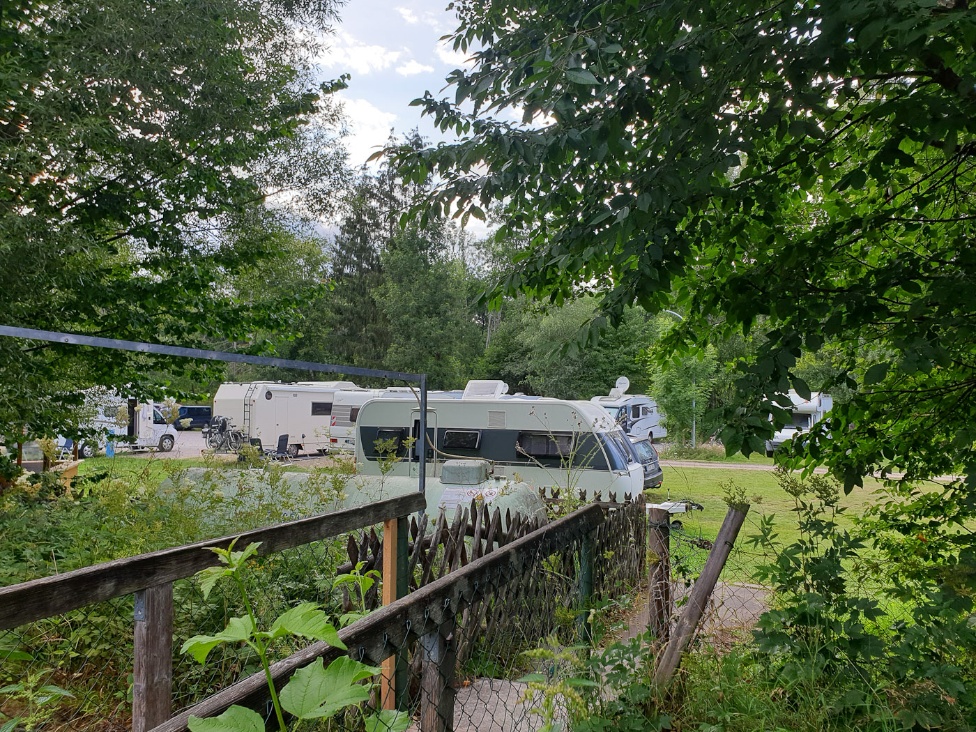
[[235, 440], [213, 439]]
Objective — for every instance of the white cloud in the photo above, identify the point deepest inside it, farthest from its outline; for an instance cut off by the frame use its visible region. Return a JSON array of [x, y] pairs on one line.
[[412, 68], [369, 128], [452, 58], [348, 54], [408, 15]]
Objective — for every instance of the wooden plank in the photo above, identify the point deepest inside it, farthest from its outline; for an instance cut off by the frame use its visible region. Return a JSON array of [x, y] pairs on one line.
[[698, 599], [659, 575], [390, 565], [438, 658], [381, 632], [49, 596], [152, 674]]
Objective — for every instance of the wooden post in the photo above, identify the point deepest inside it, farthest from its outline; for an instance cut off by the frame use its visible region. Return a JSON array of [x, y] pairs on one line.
[[698, 599], [152, 675], [394, 587], [584, 629], [439, 653], [659, 573]]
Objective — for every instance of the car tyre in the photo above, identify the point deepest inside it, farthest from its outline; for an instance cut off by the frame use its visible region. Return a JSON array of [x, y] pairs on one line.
[[87, 450], [166, 443]]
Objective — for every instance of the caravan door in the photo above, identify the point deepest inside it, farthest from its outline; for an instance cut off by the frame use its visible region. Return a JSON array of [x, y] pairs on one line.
[[281, 402], [413, 457]]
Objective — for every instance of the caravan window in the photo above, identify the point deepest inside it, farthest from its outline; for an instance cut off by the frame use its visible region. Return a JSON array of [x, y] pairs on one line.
[[546, 444], [391, 438], [321, 409], [462, 439]]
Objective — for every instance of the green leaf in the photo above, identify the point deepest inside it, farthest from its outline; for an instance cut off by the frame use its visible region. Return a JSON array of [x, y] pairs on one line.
[[387, 720], [235, 719], [237, 630], [308, 621], [876, 373], [532, 678], [581, 76], [209, 577], [316, 691]]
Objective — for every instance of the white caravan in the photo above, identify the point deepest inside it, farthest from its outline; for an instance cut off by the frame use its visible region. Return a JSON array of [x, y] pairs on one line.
[[267, 410], [637, 414], [138, 425], [543, 442], [806, 413]]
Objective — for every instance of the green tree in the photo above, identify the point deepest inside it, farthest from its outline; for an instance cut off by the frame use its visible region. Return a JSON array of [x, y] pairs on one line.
[[809, 164], [425, 296], [133, 137], [348, 326]]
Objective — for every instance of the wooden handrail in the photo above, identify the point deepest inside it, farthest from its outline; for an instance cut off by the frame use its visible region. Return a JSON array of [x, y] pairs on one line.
[[42, 598]]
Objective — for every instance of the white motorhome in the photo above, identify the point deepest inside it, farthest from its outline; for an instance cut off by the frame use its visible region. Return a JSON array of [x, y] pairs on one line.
[[137, 425], [805, 414], [637, 414], [543, 442], [266, 410]]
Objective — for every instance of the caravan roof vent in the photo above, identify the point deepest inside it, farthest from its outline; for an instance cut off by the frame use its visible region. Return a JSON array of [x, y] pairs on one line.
[[484, 389]]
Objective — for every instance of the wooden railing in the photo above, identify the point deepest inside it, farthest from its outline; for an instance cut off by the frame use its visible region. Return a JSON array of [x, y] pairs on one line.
[[424, 613], [150, 578]]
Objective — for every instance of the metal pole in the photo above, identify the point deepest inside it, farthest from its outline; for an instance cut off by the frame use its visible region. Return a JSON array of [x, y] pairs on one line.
[[422, 437], [694, 414]]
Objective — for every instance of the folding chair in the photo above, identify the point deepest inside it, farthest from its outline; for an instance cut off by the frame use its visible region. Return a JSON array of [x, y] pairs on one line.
[[281, 451], [67, 449]]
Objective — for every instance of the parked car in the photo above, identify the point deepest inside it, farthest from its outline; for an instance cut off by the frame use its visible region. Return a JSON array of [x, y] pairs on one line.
[[199, 417], [653, 475]]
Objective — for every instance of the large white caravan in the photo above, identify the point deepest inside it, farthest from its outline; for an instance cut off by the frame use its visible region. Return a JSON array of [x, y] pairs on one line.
[[637, 414], [543, 442], [805, 414], [266, 410]]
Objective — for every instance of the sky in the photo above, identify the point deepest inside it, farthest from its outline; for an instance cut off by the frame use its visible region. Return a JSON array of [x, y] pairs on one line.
[[391, 50]]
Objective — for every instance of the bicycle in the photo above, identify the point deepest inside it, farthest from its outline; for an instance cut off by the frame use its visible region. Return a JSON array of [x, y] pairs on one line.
[[222, 437]]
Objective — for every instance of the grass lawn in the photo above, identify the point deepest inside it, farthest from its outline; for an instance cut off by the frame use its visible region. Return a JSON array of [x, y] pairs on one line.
[[710, 453], [705, 486]]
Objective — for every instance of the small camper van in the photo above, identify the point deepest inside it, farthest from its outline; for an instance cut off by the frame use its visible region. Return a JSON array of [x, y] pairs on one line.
[[543, 442], [136, 425], [637, 414], [266, 410], [806, 413]]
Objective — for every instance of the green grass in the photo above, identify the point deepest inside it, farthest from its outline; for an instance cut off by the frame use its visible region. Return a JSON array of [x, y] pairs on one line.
[[711, 453], [705, 486]]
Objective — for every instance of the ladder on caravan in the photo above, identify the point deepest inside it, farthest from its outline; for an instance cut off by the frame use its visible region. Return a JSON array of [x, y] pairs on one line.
[[246, 427]]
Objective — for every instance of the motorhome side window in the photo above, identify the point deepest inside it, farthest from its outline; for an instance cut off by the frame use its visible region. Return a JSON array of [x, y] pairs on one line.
[[462, 439], [321, 409], [546, 444]]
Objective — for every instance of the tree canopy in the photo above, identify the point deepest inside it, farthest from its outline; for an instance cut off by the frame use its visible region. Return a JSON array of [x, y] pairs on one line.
[[807, 165], [134, 137]]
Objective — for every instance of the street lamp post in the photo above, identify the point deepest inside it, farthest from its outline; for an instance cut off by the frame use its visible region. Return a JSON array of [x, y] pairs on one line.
[[694, 412]]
